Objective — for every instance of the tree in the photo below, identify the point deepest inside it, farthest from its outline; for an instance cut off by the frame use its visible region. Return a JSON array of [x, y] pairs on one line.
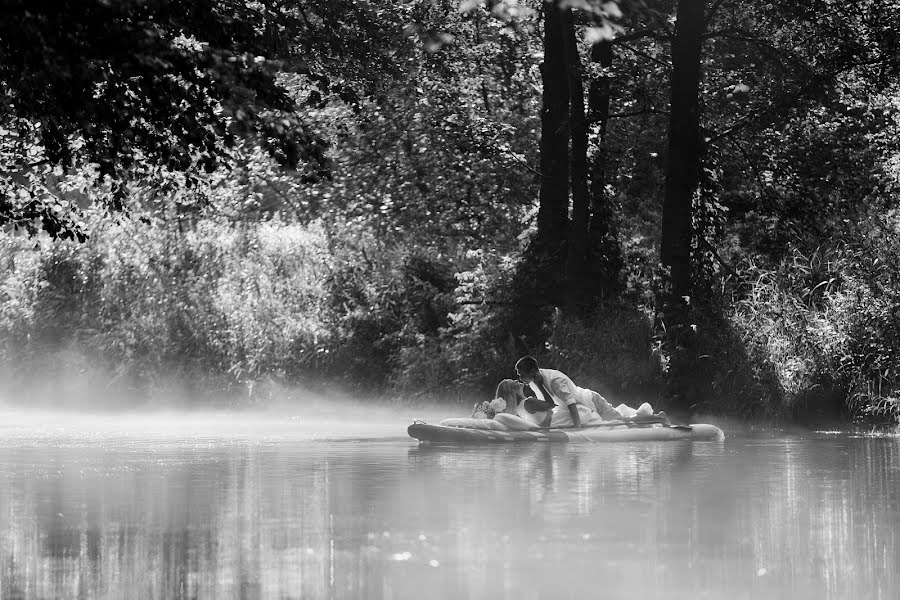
[[554, 165], [685, 146], [140, 91], [576, 263], [565, 167], [604, 252]]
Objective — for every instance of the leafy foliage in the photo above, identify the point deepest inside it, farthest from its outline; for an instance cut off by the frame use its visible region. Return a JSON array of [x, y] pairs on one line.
[[346, 190], [157, 91]]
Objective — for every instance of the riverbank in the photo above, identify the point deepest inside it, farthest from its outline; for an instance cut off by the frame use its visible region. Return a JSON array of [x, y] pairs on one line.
[[249, 312]]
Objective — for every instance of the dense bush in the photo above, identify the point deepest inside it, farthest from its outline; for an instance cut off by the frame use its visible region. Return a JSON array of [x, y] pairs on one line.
[[152, 306], [827, 323], [397, 258], [220, 306]]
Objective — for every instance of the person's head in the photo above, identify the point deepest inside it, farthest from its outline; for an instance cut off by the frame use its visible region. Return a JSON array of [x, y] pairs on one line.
[[511, 391], [527, 369]]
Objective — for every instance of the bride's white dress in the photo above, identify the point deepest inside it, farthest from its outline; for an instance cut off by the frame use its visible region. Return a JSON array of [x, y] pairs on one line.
[[591, 406]]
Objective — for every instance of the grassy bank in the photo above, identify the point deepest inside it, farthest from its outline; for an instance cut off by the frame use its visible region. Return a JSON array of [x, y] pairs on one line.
[[249, 310]]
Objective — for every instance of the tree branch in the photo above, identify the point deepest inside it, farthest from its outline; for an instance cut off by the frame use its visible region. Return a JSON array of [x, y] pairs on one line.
[[636, 113], [764, 189], [37, 163], [765, 47], [640, 34], [800, 95], [647, 56], [713, 10], [287, 199], [523, 163], [709, 247]]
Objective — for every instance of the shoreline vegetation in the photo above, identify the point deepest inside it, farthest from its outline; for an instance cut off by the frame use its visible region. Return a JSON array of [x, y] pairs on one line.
[[241, 313], [695, 204]]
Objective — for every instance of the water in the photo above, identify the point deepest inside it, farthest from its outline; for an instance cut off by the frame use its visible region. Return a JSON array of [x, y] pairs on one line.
[[279, 507]]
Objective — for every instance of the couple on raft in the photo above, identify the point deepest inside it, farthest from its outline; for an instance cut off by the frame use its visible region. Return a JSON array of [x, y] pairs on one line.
[[556, 402]]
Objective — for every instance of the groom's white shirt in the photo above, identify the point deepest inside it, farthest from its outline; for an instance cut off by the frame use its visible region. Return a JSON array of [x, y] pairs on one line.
[[562, 389]]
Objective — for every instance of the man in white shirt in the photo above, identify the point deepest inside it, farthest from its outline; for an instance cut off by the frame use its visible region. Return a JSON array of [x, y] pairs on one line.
[[557, 387]]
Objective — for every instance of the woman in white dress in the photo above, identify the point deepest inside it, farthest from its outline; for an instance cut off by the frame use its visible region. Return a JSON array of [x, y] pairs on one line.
[[523, 412], [513, 410], [557, 402]]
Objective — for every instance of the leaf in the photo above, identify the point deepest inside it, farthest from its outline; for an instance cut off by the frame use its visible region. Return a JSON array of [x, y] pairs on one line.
[[611, 10], [593, 35], [469, 5]]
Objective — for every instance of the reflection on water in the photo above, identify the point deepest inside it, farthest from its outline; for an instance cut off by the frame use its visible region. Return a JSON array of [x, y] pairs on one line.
[[817, 517]]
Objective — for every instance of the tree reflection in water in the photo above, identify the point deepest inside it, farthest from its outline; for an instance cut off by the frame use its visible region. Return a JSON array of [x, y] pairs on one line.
[[785, 518]]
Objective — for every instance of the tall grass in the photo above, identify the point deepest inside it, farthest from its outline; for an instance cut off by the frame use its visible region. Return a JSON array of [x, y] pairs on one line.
[[246, 307], [827, 321], [211, 307]]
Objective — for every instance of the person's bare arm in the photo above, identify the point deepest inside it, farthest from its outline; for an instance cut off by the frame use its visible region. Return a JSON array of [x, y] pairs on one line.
[[533, 405], [576, 418]]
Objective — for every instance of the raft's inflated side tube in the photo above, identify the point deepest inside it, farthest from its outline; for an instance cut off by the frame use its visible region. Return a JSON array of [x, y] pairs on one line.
[[439, 434]]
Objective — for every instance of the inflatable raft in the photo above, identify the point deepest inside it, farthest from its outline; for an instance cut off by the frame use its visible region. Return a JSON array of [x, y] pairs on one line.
[[442, 434]]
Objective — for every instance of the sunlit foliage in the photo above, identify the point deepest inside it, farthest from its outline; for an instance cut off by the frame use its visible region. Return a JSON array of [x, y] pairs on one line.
[[346, 190]]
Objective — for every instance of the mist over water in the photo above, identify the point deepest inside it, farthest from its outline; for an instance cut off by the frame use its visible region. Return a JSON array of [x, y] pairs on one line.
[[320, 420], [332, 500]]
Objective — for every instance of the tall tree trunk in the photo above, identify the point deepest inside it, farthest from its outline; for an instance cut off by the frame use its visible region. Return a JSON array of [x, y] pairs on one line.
[[683, 171], [576, 262], [682, 179], [604, 251], [554, 147], [541, 275]]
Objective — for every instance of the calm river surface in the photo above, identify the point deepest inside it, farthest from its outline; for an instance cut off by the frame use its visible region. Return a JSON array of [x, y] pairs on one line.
[[198, 507]]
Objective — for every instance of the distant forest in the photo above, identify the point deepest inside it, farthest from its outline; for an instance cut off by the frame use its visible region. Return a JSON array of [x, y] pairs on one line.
[[690, 202]]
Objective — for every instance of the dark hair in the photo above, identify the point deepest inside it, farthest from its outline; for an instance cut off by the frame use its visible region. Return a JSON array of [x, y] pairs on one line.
[[527, 364]]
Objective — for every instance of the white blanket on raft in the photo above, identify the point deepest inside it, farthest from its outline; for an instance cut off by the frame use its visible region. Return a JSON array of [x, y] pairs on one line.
[[508, 422]]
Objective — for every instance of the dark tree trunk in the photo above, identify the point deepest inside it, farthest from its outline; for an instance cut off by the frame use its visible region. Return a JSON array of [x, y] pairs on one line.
[[554, 147], [604, 252], [576, 260], [541, 276], [682, 179], [598, 113], [683, 171]]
